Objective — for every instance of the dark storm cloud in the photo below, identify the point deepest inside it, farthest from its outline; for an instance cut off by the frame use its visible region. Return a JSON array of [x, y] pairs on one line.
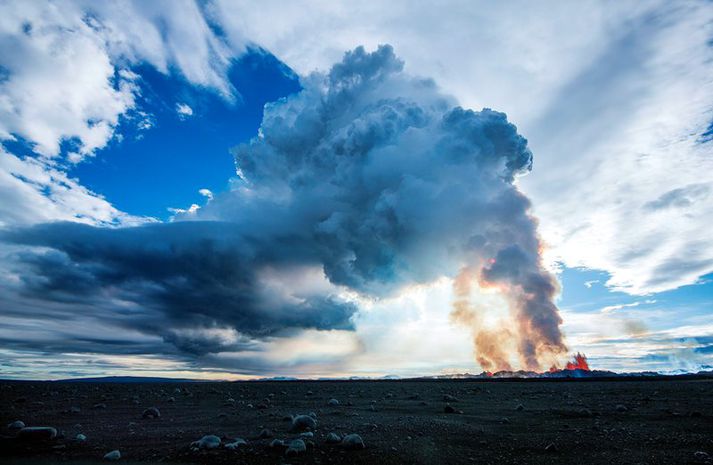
[[192, 274], [367, 173]]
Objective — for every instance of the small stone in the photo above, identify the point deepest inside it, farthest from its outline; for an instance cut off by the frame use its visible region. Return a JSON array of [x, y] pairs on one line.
[[265, 434], [74, 409], [209, 441], [80, 438], [277, 443], [520, 408], [151, 412], [37, 433], [333, 438], [308, 434], [303, 423], [333, 403], [621, 408], [171, 399], [98, 406], [236, 444], [700, 455], [450, 409], [449, 398], [353, 441], [16, 425], [112, 456], [261, 406], [551, 447], [297, 447]]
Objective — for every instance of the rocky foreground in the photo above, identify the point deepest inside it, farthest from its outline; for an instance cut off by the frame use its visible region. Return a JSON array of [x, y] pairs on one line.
[[362, 422]]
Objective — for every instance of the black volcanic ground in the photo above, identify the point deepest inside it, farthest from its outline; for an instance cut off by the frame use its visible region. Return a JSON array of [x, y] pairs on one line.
[[585, 421]]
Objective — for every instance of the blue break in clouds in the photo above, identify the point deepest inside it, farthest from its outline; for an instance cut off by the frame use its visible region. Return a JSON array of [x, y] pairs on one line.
[[585, 292], [160, 158], [579, 298], [708, 135]]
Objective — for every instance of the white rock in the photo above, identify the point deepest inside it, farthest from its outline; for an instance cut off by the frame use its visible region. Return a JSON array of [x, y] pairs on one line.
[[296, 447], [112, 456], [236, 444], [16, 425], [352, 441], [303, 423], [37, 433], [209, 441]]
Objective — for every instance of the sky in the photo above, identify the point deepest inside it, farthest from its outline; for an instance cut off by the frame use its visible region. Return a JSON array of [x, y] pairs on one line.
[[222, 190]]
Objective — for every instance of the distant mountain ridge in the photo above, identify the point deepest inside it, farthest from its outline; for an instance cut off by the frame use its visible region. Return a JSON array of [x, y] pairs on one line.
[[500, 375]]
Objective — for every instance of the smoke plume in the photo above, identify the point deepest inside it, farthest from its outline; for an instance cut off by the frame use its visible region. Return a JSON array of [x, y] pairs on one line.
[[368, 174]]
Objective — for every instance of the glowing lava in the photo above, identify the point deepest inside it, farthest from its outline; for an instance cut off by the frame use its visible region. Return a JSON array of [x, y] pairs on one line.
[[579, 363]]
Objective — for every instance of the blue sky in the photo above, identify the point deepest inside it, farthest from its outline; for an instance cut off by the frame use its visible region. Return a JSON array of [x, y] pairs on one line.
[[209, 190], [170, 161]]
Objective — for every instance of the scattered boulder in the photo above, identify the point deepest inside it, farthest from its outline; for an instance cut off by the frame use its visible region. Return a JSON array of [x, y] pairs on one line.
[[37, 433], [277, 443], [296, 447], [151, 412], [303, 423], [333, 403], [353, 442], [80, 438], [209, 441], [702, 456], [112, 456], [16, 425], [236, 444], [333, 438], [307, 434]]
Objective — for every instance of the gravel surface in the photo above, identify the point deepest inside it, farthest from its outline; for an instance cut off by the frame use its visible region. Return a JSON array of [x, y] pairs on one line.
[[502, 422]]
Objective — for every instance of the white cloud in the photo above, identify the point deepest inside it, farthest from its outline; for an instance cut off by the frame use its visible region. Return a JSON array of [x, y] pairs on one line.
[[33, 192], [60, 80], [613, 98], [184, 111]]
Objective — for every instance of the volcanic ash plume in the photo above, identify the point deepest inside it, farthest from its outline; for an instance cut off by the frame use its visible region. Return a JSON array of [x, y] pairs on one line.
[[530, 328], [369, 175]]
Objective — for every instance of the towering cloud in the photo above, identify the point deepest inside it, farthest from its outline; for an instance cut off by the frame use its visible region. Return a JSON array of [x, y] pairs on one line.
[[369, 174]]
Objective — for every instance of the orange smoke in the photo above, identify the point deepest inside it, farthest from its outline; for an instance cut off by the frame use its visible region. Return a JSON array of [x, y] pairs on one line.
[[529, 335]]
